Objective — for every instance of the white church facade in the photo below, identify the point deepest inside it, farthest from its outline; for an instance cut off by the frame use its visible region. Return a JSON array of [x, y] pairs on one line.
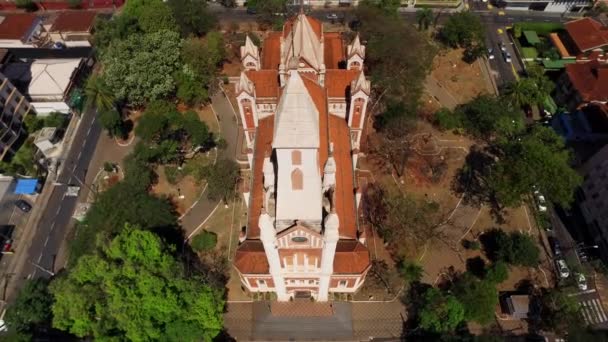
[[302, 101]]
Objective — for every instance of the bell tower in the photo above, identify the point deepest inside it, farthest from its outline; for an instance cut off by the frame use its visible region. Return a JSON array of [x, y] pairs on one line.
[[359, 97], [355, 55], [245, 96], [250, 55]]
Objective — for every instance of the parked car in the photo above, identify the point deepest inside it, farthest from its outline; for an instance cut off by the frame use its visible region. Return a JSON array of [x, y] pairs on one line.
[[7, 247], [581, 282], [507, 57], [503, 47], [541, 203], [332, 16], [562, 268], [23, 205], [490, 53], [557, 251]]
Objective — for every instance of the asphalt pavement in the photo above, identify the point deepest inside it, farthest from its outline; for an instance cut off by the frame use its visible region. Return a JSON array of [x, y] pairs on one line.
[[57, 216]]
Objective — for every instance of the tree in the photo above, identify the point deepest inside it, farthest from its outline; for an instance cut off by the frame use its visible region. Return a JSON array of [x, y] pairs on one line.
[[498, 272], [388, 7], [488, 117], [190, 87], [221, 179], [514, 248], [154, 121], [440, 313], [538, 158], [266, 9], [55, 119], [397, 70], [410, 271], [448, 120], [529, 90], [560, 312], [478, 297], [32, 307], [128, 63], [135, 7], [99, 94], [204, 57], [193, 17], [155, 17], [108, 31], [112, 122], [204, 241], [133, 288], [424, 17], [463, 29]]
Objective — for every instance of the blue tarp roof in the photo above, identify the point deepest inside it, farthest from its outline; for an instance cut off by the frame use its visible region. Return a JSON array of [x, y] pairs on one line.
[[26, 186]]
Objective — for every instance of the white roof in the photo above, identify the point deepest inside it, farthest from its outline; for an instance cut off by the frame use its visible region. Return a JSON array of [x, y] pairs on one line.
[[303, 42], [249, 48], [297, 121], [45, 77]]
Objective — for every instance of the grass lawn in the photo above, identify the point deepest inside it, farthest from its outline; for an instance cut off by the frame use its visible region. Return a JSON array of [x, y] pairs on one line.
[[529, 53]]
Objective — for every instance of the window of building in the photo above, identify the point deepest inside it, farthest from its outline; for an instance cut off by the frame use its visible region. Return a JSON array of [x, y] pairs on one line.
[[296, 157], [261, 283], [342, 283], [311, 282], [297, 179]]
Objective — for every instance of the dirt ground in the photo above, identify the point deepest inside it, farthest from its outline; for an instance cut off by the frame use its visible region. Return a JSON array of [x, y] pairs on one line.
[[186, 187], [464, 81]]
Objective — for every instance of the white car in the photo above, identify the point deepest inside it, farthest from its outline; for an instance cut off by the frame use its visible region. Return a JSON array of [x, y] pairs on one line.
[[581, 282], [540, 201], [562, 268], [332, 16], [490, 53], [507, 57]]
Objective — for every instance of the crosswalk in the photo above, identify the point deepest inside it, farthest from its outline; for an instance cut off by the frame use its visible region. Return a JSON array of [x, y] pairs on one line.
[[593, 312]]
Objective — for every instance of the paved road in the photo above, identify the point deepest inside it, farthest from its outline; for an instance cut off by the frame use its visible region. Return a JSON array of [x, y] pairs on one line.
[[57, 215]]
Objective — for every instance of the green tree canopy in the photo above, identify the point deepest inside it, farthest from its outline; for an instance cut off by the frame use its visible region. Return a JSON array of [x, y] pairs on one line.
[[424, 17], [531, 90], [155, 17], [221, 179], [489, 116], [204, 56], [478, 297], [192, 17], [155, 120], [112, 122], [560, 312], [32, 307], [204, 241], [133, 288], [128, 64], [539, 159], [118, 28], [463, 29], [99, 94], [440, 313]]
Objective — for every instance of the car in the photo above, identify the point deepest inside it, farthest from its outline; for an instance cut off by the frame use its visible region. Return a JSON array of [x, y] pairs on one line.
[[59, 46], [23, 205], [503, 47], [507, 57], [540, 201], [332, 16], [581, 282], [490, 53], [7, 247], [557, 251], [562, 268]]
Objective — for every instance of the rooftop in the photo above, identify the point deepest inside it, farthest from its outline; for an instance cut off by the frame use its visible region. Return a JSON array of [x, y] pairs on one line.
[[587, 33], [44, 77], [590, 79], [74, 21], [17, 26]]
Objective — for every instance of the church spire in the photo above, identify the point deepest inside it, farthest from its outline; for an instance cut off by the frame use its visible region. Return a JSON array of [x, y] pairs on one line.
[[244, 85], [356, 48], [361, 84]]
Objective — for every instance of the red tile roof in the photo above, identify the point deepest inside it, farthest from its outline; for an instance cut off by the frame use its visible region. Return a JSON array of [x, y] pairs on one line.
[[271, 51], [17, 26], [590, 80], [263, 144], [250, 258], [351, 257], [316, 26], [338, 80], [587, 33], [334, 50], [317, 93], [74, 21], [339, 135], [266, 82]]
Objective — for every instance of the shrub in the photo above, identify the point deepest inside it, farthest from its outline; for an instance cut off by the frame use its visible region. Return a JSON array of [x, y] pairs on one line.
[[410, 271], [108, 167], [498, 273], [173, 174], [448, 120], [204, 241]]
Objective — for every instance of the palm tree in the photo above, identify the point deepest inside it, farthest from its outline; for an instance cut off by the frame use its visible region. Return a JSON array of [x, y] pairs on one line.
[[99, 94], [424, 17], [524, 92]]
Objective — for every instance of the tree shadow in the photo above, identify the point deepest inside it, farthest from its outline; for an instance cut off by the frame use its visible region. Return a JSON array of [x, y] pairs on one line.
[[477, 267], [490, 240], [414, 299]]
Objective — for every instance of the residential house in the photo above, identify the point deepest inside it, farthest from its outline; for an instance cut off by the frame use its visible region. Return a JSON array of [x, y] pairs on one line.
[[73, 28], [588, 124], [45, 82], [554, 6], [583, 83], [588, 35], [13, 109], [20, 30], [303, 116]]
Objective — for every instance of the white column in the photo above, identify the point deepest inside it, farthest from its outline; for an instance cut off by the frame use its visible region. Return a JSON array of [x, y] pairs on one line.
[[330, 239], [268, 237]]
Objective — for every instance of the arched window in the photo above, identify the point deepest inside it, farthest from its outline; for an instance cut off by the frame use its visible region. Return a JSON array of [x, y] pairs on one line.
[[250, 64], [296, 157], [355, 65], [297, 180], [246, 104]]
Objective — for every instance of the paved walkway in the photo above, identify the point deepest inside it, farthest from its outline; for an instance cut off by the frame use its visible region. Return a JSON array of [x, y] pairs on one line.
[[229, 131], [349, 321], [442, 95]]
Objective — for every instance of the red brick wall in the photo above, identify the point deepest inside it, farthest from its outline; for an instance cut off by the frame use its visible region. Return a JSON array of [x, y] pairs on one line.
[[254, 284], [350, 282]]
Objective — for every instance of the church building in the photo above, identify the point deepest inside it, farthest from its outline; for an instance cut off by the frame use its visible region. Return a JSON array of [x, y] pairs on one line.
[[302, 100]]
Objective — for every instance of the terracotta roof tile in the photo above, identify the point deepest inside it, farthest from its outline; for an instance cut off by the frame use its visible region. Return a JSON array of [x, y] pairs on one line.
[[338, 81], [74, 21], [250, 258], [266, 82], [320, 99], [271, 51], [316, 26], [351, 257], [589, 79], [17, 26], [263, 144], [334, 50], [339, 135], [587, 33]]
